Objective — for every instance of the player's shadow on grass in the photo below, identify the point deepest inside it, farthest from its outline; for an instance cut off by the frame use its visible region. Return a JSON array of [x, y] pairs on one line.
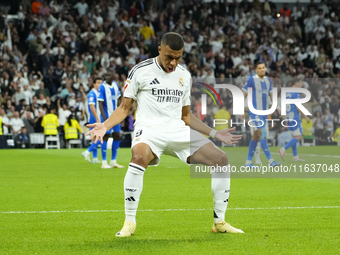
[[135, 242]]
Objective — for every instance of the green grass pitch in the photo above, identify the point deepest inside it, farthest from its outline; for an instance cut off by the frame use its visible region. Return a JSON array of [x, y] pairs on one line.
[[61, 204]]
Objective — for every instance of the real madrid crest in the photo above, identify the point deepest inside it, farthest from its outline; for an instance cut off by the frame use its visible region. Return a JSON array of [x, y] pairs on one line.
[[181, 82]]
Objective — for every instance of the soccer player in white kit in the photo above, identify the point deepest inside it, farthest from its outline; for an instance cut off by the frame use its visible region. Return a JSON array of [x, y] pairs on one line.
[[162, 90]]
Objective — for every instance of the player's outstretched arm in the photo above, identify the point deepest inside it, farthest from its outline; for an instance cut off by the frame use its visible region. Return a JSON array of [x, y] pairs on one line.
[[196, 124], [100, 129]]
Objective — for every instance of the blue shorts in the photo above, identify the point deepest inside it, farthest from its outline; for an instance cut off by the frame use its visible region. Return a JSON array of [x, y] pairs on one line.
[[114, 129], [258, 121]]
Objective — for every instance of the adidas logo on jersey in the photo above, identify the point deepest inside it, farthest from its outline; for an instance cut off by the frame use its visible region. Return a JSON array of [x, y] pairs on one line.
[[155, 81]]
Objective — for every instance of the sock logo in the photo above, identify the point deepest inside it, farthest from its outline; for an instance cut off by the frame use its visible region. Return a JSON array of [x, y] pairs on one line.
[[131, 190], [227, 191], [226, 201], [130, 199]]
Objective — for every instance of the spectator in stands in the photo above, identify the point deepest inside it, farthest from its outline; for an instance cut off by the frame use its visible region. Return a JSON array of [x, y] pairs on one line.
[[35, 80], [90, 65], [71, 128], [22, 140], [21, 106], [38, 128], [19, 95], [3, 140], [58, 41], [62, 113], [324, 137], [28, 95], [42, 90], [224, 117], [50, 123], [307, 127], [19, 80], [16, 124], [4, 82], [42, 100], [327, 119], [5, 122], [28, 120], [82, 8], [336, 135], [318, 124]]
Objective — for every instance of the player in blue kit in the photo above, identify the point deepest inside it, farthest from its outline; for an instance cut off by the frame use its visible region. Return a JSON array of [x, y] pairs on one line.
[[262, 89], [295, 125], [109, 95], [94, 117]]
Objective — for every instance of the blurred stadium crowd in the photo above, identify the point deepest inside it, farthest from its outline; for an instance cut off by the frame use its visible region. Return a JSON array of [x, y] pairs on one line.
[[50, 52]]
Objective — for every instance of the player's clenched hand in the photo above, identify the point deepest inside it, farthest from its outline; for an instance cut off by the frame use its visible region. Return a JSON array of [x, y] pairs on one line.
[[226, 137], [97, 133]]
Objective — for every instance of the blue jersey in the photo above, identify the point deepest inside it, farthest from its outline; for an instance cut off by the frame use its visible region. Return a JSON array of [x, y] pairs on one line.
[[109, 94], [92, 98], [261, 91], [292, 111]]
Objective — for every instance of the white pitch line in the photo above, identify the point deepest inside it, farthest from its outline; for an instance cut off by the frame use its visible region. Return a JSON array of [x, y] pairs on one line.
[[174, 210], [310, 155]]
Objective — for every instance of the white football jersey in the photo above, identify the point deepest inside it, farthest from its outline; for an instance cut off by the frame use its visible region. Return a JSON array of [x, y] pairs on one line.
[[160, 96]]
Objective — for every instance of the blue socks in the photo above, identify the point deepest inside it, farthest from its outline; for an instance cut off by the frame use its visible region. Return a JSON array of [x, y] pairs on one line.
[[115, 146], [252, 148], [94, 149], [104, 148], [294, 149], [95, 152], [291, 143], [265, 149]]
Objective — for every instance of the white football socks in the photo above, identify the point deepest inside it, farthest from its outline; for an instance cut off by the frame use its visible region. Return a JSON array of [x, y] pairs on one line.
[[133, 186], [220, 188], [257, 154]]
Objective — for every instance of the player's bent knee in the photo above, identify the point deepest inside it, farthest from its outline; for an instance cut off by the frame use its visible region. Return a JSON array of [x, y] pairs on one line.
[[223, 159], [299, 137], [142, 154], [219, 159], [141, 159], [138, 159]]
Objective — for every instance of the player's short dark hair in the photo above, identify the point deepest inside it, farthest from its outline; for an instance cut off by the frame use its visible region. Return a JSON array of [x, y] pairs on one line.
[[295, 80], [97, 79], [173, 40], [259, 62]]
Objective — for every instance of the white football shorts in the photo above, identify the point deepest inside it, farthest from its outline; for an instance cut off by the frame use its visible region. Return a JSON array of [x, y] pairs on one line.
[[296, 132], [177, 142]]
